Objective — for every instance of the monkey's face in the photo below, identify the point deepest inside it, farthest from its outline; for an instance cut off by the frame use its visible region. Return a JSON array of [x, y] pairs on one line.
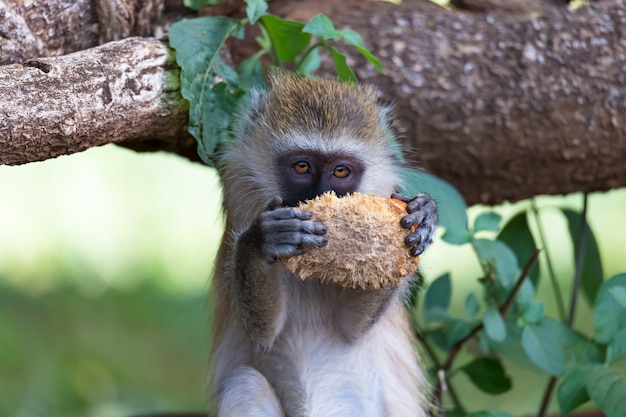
[[306, 175]]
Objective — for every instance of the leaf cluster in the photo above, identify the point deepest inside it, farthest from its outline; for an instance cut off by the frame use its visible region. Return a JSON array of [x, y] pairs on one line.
[[507, 322], [215, 88]]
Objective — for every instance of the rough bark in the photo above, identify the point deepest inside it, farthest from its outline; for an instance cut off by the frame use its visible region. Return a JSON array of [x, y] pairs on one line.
[[505, 106], [46, 28], [122, 91]]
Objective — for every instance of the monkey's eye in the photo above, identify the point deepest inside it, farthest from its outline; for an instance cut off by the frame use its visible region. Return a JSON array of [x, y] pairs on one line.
[[341, 171], [302, 167]]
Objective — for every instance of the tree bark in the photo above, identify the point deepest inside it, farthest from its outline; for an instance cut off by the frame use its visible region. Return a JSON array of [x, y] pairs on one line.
[[504, 106], [124, 91]]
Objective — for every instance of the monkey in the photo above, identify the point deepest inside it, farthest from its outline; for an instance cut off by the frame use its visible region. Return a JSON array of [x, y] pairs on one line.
[[284, 347]]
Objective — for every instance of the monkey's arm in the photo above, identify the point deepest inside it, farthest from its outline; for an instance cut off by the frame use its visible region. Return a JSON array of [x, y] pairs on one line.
[[259, 290]]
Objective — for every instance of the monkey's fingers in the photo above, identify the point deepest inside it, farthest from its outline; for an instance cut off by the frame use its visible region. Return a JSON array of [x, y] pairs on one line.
[[271, 227], [419, 240], [286, 213], [401, 197]]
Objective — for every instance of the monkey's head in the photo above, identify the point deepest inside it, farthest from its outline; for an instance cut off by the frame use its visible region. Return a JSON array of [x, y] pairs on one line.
[[304, 137]]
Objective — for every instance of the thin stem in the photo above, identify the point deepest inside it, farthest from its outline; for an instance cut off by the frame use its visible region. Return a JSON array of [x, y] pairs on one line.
[[580, 260], [306, 54], [555, 285], [547, 395], [456, 348], [435, 360]]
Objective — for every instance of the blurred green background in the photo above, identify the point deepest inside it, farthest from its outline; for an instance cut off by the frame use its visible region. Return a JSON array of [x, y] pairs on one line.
[[105, 258]]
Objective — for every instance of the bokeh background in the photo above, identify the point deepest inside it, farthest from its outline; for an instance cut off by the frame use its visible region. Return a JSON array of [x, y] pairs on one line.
[[105, 260]]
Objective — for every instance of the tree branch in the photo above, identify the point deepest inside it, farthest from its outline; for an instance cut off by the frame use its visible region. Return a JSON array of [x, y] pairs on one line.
[[503, 106], [126, 91]]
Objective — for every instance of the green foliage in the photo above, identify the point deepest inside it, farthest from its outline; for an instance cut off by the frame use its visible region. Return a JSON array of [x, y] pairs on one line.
[[215, 89], [489, 375], [510, 324]]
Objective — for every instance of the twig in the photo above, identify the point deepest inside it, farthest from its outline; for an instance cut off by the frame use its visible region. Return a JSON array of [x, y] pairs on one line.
[[504, 310], [555, 285], [580, 260]]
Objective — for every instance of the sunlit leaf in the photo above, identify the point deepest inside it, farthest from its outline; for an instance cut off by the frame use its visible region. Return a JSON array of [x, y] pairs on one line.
[[320, 25], [472, 305], [543, 348], [488, 221], [210, 86], [353, 38], [494, 325], [534, 313], [287, 36], [609, 316], [607, 388], [255, 9], [344, 72]]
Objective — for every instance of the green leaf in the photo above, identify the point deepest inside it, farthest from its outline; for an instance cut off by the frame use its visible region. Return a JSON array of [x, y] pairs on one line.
[[250, 73], [607, 388], [572, 391], [344, 72], [371, 58], [310, 63], [577, 349], [452, 209], [543, 348], [592, 273], [472, 306], [287, 36], [619, 293], [437, 298], [488, 375], [321, 26], [352, 38], [255, 9], [489, 221], [456, 330], [517, 236], [609, 316], [210, 86], [617, 348], [457, 236], [494, 325], [501, 257], [453, 330], [534, 313]]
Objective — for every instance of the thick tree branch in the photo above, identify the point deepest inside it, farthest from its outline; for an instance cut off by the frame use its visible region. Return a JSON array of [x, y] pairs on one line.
[[506, 106], [122, 91], [503, 106]]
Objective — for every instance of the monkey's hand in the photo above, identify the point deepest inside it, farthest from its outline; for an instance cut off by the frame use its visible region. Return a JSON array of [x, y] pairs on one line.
[[286, 230], [422, 211]]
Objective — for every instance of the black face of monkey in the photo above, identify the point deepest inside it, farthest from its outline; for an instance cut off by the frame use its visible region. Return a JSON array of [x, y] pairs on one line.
[[305, 175]]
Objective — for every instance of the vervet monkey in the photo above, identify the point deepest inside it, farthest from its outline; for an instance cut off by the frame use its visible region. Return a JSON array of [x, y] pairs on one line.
[[287, 347]]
